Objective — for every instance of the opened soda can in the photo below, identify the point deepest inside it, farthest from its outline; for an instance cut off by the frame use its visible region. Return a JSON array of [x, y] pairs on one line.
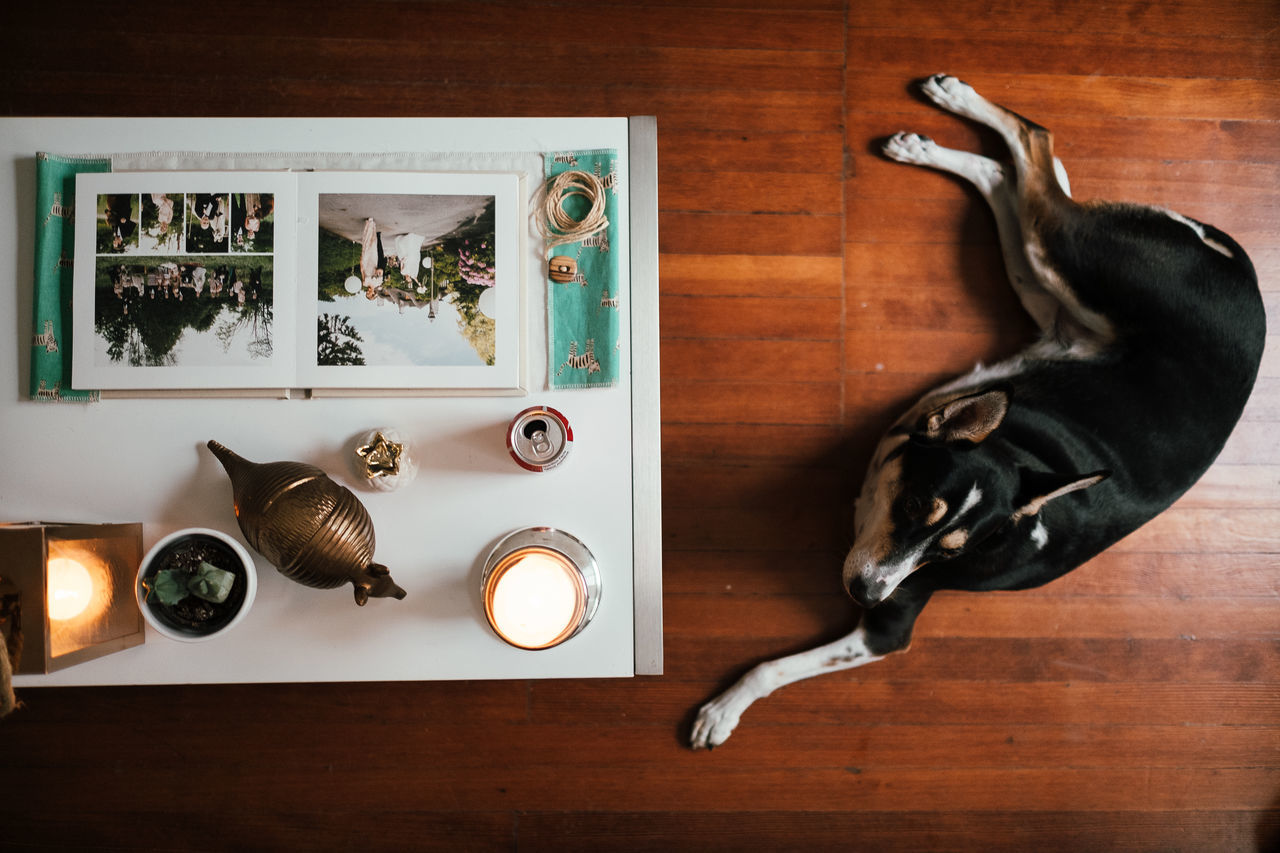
[[539, 438]]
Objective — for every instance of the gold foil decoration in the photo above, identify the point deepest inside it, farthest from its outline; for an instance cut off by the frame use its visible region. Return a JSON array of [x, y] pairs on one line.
[[381, 457], [383, 460]]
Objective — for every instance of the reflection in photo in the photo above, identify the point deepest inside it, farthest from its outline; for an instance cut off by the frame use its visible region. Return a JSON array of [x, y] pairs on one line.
[[406, 280], [183, 311]]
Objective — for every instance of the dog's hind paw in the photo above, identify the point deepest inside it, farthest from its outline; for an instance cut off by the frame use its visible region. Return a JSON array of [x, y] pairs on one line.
[[910, 148], [950, 93]]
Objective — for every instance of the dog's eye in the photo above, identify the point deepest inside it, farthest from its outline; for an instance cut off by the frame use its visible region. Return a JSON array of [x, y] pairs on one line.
[[928, 510], [912, 506]]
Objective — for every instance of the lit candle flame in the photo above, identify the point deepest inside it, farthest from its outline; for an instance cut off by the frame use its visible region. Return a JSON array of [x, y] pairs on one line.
[[536, 599], [70, 588]]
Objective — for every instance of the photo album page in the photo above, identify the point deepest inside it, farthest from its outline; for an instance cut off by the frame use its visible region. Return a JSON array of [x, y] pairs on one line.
[[317, 280]]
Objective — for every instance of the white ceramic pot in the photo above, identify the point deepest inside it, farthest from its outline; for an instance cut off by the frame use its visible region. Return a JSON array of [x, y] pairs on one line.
[[162, 619]]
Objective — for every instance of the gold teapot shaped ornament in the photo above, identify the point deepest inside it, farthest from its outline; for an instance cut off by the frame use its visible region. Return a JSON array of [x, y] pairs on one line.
[[311, 529]]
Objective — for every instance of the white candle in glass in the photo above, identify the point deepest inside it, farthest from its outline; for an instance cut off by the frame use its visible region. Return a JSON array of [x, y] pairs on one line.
[[535, 598]]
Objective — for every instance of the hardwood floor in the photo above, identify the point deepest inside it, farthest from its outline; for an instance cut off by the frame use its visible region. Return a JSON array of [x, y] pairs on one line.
[[809, 290]]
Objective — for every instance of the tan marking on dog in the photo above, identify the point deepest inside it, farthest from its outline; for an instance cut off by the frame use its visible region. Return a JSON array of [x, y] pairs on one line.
[[936, 513], [1036, 504], [888, 444], [875, 532], [1080, 325], [955, 540], [1199, 231]]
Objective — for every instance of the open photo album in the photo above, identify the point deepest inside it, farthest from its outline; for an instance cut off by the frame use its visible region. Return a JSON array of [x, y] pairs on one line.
[[284, 280]]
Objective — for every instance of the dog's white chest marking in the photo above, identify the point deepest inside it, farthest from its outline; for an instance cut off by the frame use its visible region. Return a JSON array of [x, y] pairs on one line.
[[1039, 534]]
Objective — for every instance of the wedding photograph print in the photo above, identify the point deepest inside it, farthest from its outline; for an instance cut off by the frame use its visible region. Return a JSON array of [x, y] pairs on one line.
[[416, 281], [405, 280]]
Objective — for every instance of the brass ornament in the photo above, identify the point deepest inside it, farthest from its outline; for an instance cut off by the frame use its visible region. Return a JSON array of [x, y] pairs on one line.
[[311, 529], [381, 457], [383, 460]]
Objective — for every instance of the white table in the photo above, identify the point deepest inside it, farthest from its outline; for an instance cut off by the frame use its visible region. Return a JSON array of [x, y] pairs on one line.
[[145, 460]]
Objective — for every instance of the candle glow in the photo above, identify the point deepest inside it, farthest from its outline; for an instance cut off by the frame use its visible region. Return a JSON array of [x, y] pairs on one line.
[[70, 588], [535, 598]]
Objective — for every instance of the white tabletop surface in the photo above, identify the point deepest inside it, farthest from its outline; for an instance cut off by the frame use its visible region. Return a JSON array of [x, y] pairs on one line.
[[145, 460]]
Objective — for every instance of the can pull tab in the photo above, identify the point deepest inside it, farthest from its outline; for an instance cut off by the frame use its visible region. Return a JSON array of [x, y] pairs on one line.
[[540, 443], [535, 432]]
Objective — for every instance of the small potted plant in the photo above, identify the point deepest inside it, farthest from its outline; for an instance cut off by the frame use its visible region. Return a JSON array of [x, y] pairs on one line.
[[195, 584]]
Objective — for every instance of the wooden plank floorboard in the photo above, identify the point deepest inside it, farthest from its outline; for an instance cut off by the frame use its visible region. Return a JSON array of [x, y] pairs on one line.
[[752, 317], [873, 742], [866, 698], [612, 64], [730, 153], [810, 290], [1022, 660], [262, 827], [32, 93], [750, 359], [1111, 97], [923, 831], [497, 23], [1108, 54], [801, 443], [1180, 17], [1029, 614], [1178, 575]]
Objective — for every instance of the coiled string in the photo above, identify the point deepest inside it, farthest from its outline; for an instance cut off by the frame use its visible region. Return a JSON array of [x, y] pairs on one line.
[[556, 224]]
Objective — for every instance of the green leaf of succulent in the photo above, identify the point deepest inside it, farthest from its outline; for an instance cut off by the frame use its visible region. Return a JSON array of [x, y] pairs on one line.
[[170, 586], [211, 583]]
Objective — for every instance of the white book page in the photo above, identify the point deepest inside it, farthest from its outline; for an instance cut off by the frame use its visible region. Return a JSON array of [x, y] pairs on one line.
[[410, 281], [185, 280]]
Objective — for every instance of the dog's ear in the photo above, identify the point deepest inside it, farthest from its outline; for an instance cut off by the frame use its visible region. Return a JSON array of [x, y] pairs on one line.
[[970, 418], [1039, 487]]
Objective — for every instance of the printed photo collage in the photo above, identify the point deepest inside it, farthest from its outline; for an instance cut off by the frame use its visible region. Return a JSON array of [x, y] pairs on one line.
[[193, 268]]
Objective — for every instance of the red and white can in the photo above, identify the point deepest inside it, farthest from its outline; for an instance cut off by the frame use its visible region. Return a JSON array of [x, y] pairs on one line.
[[539, 438]]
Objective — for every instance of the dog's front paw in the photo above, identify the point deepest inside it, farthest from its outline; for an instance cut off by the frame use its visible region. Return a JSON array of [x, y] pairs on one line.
[[910, 148], [716, 721]]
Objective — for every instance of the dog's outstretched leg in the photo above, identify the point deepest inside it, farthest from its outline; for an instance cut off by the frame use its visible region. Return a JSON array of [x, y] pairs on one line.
[[883, 630], [1030, 144], [717, 719], [997, 188], [1027, 204]]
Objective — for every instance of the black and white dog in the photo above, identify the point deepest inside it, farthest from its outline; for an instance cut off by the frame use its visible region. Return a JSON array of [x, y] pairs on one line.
[[1151, 330]]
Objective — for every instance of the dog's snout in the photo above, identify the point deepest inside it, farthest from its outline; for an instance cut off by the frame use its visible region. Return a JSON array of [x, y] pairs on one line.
[[868, 593]]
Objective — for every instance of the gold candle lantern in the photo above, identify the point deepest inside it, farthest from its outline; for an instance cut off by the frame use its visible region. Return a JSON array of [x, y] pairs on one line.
[[540, 587], [66, 592]]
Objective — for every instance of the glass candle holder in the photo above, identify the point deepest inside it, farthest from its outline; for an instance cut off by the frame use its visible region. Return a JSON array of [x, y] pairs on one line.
[[541, 587]]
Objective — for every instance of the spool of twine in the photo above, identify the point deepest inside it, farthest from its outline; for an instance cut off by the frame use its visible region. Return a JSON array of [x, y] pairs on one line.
[[556, 224]]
